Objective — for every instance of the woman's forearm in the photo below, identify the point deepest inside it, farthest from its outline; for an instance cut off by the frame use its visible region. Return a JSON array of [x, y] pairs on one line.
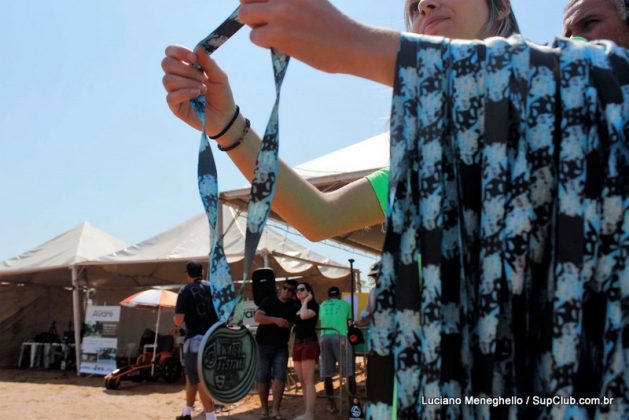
[[370, 53], [304, 312], [314, 214]]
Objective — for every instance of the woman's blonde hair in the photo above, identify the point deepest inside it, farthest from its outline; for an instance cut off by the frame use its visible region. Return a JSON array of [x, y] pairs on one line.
[[494, 26]]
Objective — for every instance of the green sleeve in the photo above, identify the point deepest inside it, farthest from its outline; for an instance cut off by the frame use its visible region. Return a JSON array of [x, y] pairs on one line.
[[379, 181]]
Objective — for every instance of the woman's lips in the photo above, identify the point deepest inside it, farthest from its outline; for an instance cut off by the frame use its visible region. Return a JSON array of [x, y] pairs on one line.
[[432, 23]]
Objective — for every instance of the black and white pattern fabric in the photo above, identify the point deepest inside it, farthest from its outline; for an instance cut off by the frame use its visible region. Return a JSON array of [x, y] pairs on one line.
[[229, 304], [509, 175]]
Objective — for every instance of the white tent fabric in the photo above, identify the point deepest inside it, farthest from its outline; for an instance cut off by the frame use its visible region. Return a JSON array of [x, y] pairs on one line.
[[332, 171], [79, 244], [88, 259], [190, 241], [353, 161], [55, 263]]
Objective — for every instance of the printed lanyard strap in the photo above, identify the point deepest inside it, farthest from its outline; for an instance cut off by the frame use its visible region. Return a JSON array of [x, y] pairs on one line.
[[228, 305]]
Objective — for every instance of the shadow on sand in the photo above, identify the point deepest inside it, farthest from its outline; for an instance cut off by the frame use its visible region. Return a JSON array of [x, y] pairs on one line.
[[57, 377]]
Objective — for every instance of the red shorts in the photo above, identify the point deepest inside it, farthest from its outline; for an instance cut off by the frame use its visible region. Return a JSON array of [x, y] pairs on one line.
[[305, 350]]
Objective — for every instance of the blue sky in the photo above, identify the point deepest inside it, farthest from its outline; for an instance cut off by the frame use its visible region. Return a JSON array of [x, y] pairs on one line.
[[85, 133]]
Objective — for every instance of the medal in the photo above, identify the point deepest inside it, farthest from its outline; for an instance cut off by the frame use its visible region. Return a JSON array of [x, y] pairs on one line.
[[227, 362], [227, 358]]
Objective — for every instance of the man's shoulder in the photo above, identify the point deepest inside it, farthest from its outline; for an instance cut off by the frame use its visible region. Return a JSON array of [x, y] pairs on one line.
[[185, 288], [192, 289], [334, 302]]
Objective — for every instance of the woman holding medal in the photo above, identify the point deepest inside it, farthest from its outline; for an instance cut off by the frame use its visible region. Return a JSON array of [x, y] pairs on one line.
[[509, 173], [306, 346], [320, 215]]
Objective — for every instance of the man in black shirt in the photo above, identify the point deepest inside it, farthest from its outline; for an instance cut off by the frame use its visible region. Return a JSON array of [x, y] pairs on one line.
[[275, 317], [195, 308]]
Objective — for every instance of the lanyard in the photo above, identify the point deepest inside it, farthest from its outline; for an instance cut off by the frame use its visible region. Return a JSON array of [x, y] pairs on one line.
[[506, 176], [229, 305]]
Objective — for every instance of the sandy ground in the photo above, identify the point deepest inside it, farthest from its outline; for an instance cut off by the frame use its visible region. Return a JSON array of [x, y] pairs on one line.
[[39, 394]]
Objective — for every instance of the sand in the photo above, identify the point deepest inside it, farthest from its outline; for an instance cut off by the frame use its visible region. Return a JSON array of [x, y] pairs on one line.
[[49, 394]]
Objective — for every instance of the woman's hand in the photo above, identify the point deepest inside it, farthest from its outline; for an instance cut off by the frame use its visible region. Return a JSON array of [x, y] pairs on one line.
[[308, 297], [315, 32], [183, 82], [309, 30]]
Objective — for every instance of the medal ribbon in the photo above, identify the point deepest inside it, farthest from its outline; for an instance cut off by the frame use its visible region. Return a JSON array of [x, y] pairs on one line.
[[229, 305]]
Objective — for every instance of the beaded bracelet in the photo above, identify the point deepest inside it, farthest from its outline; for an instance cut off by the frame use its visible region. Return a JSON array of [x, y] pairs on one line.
[[235, 144]]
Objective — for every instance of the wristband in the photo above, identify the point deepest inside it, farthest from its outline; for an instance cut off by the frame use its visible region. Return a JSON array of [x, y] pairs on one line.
[[228, 126]]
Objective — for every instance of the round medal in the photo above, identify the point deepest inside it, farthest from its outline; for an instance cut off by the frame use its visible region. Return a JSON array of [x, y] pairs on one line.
[[227, 362]]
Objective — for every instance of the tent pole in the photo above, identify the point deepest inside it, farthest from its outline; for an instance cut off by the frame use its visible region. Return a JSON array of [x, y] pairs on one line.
[[351, 286], [76, 312], [219, 219], [159, 312]]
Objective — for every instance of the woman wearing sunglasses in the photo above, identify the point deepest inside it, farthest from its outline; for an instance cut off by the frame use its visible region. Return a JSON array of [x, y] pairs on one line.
[[306, 347]]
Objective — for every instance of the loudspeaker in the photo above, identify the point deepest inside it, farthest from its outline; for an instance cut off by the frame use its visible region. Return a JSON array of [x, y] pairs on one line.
[[263, 284]]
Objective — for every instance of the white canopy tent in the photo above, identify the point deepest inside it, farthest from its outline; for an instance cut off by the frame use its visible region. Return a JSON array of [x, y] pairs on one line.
[[332, 171], [56, 263], [160, 259], [87, 259]]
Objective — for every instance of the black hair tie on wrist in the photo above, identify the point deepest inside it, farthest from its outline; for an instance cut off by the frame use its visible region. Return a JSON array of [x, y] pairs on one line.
[[228, 126]]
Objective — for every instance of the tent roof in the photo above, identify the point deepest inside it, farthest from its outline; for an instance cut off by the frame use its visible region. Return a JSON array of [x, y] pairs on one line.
[[106, 262], [81, 243], [332, 171], [190, 241], [351, 162]]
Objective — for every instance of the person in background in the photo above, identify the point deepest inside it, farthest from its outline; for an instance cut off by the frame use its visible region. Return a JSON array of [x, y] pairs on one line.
[[367, 314], [306, 348], [275, 317], [195, 308], [598, 19], [334, 315]]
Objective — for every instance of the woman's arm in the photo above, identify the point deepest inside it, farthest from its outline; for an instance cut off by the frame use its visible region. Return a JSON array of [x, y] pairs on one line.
[[305, 313], [315, 32], [315, 214]]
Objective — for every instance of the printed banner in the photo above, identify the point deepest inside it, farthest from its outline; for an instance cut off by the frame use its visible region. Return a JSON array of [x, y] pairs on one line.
[[100, 342], [250, 309]]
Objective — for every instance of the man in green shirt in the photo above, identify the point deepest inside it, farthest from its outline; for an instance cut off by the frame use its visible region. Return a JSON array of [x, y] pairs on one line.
[[334, 313]]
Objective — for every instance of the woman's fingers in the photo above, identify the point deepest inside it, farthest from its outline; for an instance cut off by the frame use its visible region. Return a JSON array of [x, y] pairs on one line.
[[213, 73], [174, 66], [255, 14], [173, 83], [265, 36], [178, 97], [181, 53]]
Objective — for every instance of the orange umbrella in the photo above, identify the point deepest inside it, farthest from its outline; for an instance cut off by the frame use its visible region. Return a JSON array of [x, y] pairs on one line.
[[150, 299]]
